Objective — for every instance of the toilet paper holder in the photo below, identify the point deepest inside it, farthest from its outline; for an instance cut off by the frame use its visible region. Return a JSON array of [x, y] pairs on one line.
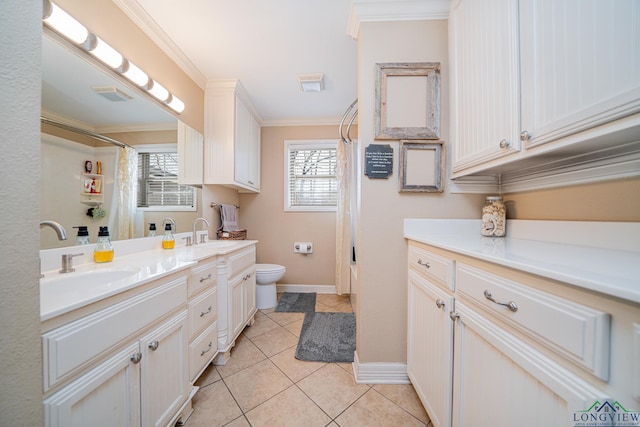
[[303, 247]]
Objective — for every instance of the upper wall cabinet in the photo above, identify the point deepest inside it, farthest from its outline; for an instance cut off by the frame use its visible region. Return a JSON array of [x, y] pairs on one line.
[[537, 82], [190, 155], [232, 138]]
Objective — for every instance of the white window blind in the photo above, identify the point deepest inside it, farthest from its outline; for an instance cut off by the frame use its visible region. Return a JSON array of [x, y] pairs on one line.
[[311, 176], [158, 183]]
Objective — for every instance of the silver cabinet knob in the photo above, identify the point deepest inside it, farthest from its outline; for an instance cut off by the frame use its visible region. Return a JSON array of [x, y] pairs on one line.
[[505, 144], [136, 357], [454, 316], [439, 303], [524, 135], [153, 345]]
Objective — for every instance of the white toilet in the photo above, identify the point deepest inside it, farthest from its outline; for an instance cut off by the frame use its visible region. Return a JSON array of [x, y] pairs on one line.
[[266, 277]]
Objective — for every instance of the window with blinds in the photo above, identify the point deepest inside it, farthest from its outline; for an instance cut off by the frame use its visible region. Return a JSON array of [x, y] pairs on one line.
[[158, 187], [311, 182]]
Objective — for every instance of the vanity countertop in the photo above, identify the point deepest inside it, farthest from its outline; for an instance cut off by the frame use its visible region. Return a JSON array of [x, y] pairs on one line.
[[599, 256], [136, 263]]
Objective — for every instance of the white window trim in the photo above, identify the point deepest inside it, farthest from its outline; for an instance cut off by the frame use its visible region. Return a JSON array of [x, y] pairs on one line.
[[165, 148], [304, 144]]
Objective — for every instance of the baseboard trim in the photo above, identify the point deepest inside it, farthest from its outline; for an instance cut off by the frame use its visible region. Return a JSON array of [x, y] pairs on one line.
[[379, 373], [319, 289]]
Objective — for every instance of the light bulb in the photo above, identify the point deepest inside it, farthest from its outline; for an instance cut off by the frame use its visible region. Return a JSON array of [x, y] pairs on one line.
[[106, 54], [66, 25], [158, 91], [136, 75], [176, 104]]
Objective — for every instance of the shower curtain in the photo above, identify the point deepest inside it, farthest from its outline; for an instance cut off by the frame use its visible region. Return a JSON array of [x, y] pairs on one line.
[[343, 222], [127, 177]]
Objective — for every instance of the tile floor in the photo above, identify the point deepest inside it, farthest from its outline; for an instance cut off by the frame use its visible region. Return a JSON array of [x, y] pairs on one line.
[[263, 384]]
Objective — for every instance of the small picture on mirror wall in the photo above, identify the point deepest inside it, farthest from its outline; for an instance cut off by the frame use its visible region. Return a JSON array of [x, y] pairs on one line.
[[88, 166], [407, 100], [421, 166]]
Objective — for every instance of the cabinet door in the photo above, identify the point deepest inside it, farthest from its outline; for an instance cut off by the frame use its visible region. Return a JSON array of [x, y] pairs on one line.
[[249, 294], [165, 382], [242, 143], [237, 305], [108, 395], [190, 155], [484, 80], [501, 381], [430, 347], [580, 65]]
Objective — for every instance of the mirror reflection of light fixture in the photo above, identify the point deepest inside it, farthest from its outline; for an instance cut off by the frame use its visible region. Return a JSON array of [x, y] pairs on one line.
[[311, 82], [64, 24]]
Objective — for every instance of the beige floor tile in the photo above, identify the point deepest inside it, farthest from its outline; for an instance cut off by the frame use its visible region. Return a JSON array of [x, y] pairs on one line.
[[332, 300], [243, 355], [284, 319], [332, 388], [291, 408], [295, 327], [208, 377], [213, 406], [323, 308], [342, 308], [256, 384], [293, 368], [347, 367], [373, 410], [239, 422], [275, 341], [262, 324], [404, 395]]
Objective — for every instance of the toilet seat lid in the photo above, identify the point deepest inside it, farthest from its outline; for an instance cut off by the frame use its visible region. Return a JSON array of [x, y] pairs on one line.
[[269, 267]]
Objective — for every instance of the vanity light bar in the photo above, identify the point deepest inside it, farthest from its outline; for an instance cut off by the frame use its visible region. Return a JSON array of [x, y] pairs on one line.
[[64, 24]]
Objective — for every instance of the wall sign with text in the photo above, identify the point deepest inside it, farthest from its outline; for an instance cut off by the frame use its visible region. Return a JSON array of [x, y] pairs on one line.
[[378, 161]]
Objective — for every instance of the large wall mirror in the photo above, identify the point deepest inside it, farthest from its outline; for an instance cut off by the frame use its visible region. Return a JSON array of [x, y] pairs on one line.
[[79, 92]]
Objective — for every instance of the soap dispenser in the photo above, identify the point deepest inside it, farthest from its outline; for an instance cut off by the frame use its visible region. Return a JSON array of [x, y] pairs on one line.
[[152, 229], [83, 235], [104, 249], [168, 242]]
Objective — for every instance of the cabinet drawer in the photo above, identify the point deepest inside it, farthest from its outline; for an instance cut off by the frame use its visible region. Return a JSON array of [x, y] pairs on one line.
[[202, 350], [202, 311], [432, 266], [575, 331], [66, 350], [241, 260], [202, 276]]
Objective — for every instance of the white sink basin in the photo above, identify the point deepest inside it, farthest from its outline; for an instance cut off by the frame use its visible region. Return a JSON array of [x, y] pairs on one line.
[[76, 280]]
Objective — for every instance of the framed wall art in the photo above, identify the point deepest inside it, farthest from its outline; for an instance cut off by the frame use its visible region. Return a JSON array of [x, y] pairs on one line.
[[421, 166], [407, 100]]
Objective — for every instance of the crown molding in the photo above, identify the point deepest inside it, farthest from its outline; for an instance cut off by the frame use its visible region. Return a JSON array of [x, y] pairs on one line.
[[139, 16], [390, 10]]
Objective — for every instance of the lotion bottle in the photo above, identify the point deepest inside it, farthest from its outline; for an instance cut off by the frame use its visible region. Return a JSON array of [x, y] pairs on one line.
[[83, 235]]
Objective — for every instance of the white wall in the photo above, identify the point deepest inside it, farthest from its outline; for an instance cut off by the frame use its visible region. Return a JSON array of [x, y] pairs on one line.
[[20, 354]]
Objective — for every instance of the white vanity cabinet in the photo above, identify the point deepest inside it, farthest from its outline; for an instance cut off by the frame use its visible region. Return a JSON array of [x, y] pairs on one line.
[[232, 138], [538, 81], [236, 298], [510, 348], [122, 364], [203, 316], [190, 155]]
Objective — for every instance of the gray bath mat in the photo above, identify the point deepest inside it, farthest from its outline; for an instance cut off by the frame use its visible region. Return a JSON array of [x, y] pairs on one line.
[[327, 337], [297, 302]]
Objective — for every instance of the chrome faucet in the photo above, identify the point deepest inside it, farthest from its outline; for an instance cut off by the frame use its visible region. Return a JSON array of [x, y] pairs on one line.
[[59, 229], [195, 237], [172, 222]]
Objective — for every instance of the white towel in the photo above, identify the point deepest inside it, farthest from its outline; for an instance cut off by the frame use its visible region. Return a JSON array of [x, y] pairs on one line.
[[228, 217]]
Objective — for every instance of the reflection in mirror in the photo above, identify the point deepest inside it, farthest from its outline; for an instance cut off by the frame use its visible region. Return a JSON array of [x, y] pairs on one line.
[[81, 93]]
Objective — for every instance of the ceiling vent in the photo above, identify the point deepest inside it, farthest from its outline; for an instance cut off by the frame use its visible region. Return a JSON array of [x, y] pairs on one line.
[[311, 82], [111, 93]]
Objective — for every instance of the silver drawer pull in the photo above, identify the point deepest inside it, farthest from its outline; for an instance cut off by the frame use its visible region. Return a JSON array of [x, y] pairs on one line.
[[439, 303], [204, 313], [425, 264], [511, 305], [202, 279], [202, 353], [153, 345]]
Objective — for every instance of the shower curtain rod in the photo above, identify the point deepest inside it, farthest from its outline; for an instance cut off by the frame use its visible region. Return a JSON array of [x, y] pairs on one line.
[[83, 132]]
